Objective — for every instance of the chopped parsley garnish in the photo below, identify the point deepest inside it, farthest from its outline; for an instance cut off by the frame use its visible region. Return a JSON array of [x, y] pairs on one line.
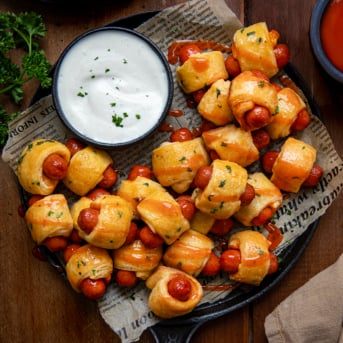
[[228, 168], [117, 120], [222, 183], [59, 215]]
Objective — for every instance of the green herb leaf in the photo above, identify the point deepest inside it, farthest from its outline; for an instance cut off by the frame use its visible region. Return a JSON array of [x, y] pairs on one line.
[[20, 31]]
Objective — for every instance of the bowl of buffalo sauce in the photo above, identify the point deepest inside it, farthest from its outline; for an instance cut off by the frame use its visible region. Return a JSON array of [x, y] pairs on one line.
[[326, 34]]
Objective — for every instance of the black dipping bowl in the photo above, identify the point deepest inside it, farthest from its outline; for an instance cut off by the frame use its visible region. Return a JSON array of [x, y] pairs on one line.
[[111, 106]]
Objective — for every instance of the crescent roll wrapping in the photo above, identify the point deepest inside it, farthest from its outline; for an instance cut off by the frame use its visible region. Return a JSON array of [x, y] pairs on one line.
[[86, 169], [161, 212], [213, 105], [255, 257], [77, 207], [266, 195], [253, 47], [88, 262], [49, 217], [202, 222], [289, 106], [221, 197], [201, 70], [175, 164], [233, 144], [189, 253], [162, 303], [30, 165], [293, 165], [114, 220], [134, 191], [138, 258], [247, 90]]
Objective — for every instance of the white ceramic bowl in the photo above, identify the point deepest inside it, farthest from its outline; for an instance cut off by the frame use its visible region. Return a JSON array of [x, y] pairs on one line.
[[112, 87], [315, 26]]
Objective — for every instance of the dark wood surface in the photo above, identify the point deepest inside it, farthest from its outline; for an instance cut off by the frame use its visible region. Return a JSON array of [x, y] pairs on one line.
[[36, 303]]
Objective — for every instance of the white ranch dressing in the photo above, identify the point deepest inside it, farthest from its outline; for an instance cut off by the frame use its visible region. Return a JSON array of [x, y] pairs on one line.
[[112, 86]]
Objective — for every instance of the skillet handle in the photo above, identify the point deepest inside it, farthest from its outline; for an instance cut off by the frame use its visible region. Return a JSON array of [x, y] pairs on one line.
[[175, 334]]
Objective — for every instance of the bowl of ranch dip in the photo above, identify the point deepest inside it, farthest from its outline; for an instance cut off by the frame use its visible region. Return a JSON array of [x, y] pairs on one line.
[[112, 87]]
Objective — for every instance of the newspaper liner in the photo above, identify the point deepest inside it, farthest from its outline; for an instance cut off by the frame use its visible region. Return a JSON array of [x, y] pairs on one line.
[[126, 311]]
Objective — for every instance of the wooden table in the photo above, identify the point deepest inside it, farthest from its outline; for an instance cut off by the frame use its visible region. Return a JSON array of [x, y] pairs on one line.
[[38, 306]]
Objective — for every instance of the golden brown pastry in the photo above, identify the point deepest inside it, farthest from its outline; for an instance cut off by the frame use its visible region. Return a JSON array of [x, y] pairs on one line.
[[201, 70], [49, 217], [293, 165], [161, 212], [253, 47], [136, 190], [89, 262], [289, 106], [111, 225], [255, 256], [86, 169], [189, 253], [213, 106], [164, 300], [251, 91], [233, 144], [136, 257], [30, 171], [267, 195], [221, 197], [175, 163], [202, 222]]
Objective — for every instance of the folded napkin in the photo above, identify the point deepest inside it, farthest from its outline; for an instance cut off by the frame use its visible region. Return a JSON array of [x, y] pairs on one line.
[[313, 313]]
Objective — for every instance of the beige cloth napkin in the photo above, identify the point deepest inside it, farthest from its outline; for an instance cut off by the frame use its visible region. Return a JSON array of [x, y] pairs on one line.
[[313, 313]]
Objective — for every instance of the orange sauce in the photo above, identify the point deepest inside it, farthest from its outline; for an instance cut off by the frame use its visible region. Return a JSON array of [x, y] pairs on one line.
[[331, 33], [275, 236], [175, 113], [199, 64], [164, 208], [165, 127]]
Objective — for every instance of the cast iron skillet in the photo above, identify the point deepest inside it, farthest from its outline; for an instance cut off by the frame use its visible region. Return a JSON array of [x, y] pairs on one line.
[[181, 329]]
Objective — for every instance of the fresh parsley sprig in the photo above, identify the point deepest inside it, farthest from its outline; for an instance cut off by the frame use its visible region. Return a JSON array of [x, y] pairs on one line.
[[21, 31]]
